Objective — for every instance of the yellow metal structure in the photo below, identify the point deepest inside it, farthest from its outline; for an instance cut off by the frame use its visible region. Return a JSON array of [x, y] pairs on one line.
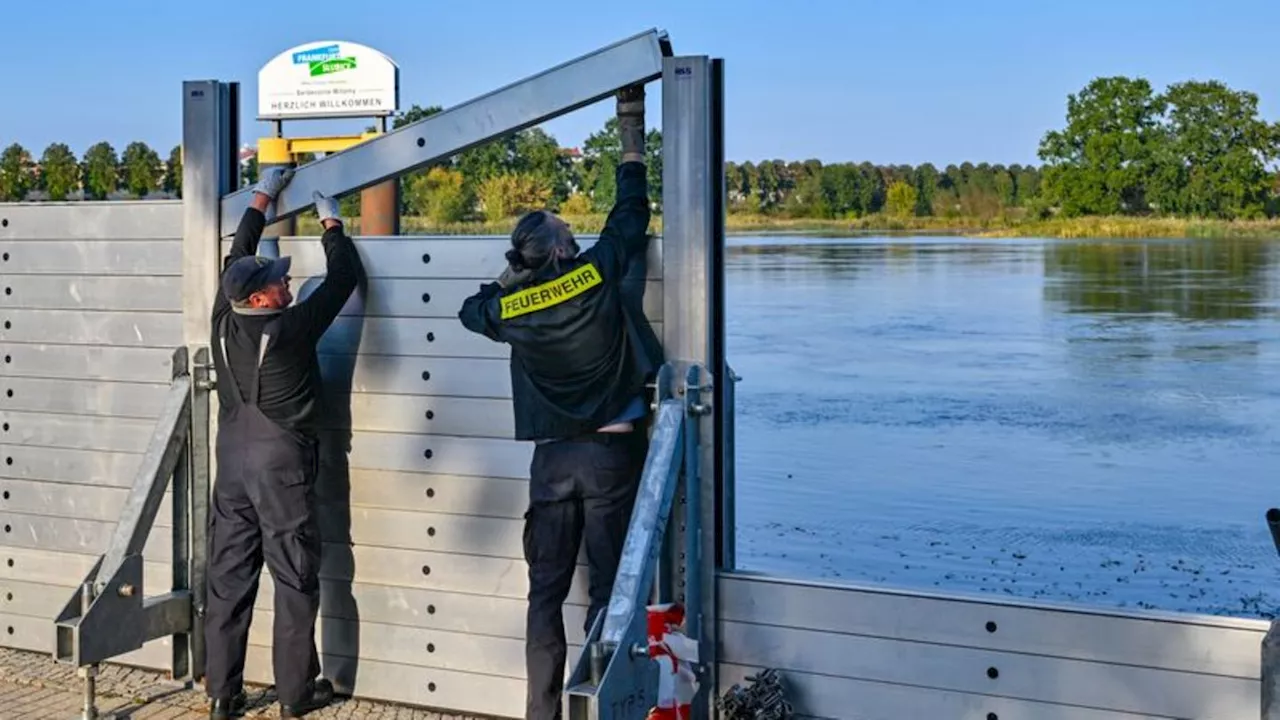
[[280, 151]]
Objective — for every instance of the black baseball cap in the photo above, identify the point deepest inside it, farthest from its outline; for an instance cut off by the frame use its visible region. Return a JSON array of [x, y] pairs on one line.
[[248, 275]]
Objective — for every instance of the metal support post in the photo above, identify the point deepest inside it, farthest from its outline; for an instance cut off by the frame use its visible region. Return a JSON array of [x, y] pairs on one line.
[[180, 667], [692, 252], [201, 387], [210, 171]]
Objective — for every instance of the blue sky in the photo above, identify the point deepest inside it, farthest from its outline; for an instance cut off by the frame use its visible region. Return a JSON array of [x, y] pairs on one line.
[[888, 82]]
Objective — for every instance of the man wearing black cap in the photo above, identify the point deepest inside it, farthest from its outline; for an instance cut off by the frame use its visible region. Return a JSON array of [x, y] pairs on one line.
[[264, 500]]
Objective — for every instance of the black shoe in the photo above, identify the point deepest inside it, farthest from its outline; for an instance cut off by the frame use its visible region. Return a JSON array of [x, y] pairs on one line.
[[321, 695], [227, 708]]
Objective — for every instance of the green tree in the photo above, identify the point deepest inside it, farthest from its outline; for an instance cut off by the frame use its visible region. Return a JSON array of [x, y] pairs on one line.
[[900, 199], [173, 171], [142, 169], [59, 172], [510, 194], [1100, 162], [17, 173], [926, 182], [1218, 149], [602, 153], [439, 194], [100, 171]]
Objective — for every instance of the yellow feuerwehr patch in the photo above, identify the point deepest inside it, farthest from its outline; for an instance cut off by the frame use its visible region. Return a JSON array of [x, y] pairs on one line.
[[550, 294]]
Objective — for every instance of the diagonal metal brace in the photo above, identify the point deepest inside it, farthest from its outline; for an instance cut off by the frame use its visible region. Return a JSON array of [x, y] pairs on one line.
[[536, 99], [108, 616], [614, 678]]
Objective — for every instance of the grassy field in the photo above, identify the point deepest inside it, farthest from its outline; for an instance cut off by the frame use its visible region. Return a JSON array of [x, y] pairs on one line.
[[1076, 228]]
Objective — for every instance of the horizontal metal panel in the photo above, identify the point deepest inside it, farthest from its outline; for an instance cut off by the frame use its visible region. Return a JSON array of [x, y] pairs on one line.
[[57, 568], [408, 684], [430, 609], [823, 696], [399, 297], [83, 397], [430, 492], [1221, 646], [443, 454], [389, 374], [77, 432], [439, 257], [458, 573], [426, 337], [459, 652], [89, 537], [89, 257], [87, 362], [137, 219], [491, 537], [69, 292], [1016, 675], [80, 502], [133, 329], [83, 467], [36, 634], [35, 599], [470, 417]]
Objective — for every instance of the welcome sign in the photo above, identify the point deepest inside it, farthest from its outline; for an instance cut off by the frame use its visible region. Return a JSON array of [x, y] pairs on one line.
[[328, 79]]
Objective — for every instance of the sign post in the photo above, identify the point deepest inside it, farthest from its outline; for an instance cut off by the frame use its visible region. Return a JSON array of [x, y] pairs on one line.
[[331, 79]]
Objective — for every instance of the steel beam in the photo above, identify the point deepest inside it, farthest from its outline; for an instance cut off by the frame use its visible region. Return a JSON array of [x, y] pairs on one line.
[[693, 323], [536, 99], [207, 143]]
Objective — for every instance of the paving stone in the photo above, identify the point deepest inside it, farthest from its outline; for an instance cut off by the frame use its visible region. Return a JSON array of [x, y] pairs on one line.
[[34, 686]]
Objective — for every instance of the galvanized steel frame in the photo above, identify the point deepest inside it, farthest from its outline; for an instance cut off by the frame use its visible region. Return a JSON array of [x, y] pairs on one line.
[[109, 614], [692, 335]]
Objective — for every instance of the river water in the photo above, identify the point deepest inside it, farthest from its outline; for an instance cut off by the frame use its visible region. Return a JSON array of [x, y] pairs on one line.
[[1088, 422]]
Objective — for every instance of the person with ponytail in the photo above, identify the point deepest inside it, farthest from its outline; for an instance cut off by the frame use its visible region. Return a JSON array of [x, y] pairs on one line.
[[581, 355]]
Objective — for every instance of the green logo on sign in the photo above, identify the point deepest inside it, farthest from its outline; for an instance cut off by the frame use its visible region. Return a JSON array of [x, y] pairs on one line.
[[329, 67]]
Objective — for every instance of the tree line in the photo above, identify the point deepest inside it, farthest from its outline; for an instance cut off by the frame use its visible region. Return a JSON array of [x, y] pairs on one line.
[[1197, 149]]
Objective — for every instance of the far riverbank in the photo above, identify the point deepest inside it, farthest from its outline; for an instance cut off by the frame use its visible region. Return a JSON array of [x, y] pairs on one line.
[[742, 224]]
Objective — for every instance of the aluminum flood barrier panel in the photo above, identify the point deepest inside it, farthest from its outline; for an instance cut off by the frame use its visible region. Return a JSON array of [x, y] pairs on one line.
[[90, 314]]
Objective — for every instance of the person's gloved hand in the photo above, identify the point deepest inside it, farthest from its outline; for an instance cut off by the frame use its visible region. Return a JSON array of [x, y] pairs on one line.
[[631, 122], [273, 181], [326, 207], [510, 276]]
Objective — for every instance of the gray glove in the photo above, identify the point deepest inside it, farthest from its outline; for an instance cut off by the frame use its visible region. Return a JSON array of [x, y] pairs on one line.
[[631, 122], [326, 207], [273, 181]]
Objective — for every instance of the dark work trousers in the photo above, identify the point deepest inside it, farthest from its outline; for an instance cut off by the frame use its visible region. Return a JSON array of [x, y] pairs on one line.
[[263, 507], [583, 488]]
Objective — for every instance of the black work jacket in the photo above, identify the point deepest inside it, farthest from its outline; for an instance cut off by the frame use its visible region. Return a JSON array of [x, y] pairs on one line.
[[290, 391], [581, 348]]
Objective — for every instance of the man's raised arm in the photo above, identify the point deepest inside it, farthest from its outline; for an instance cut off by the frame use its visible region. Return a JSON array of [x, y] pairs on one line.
[[626, 231], [252, 223]]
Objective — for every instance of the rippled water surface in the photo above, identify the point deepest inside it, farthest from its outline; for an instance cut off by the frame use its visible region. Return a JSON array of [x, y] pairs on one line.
[[1083, 422]]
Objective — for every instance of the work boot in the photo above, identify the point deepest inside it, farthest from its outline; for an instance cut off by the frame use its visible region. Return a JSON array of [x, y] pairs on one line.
[[227, 708], [321, 695]]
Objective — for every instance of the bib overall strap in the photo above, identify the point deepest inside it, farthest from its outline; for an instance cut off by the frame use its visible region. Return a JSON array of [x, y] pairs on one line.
[[254, 383]]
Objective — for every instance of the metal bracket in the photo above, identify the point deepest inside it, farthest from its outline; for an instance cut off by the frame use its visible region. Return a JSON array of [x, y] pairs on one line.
[[614, 678], [108, 615]]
